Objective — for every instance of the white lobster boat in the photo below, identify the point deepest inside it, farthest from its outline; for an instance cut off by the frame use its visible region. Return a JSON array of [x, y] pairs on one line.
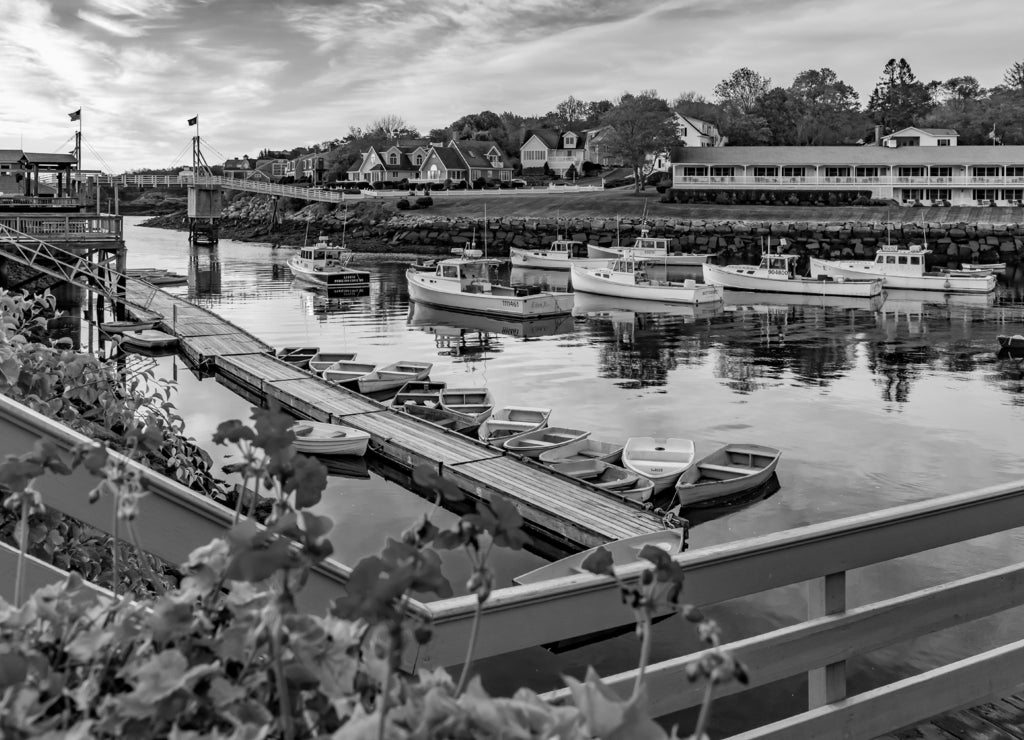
[[626, 278], [653, 248], [326, 264], [561, 254], [904, 268], [776, 273], [466, 285]]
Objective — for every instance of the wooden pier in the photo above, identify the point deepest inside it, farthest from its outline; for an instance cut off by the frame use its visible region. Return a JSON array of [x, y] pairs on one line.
[[568, 515]]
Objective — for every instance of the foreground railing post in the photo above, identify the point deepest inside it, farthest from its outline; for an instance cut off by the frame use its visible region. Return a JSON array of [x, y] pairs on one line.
[[826, 596]]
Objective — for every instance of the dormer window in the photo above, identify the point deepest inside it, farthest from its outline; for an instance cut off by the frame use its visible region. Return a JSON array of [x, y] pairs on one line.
[[570, 141], [392, 158], [419, 159]]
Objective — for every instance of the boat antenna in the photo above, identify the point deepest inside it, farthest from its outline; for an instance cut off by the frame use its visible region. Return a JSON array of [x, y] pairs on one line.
[[485, 231], [305, 237], [344, 224]]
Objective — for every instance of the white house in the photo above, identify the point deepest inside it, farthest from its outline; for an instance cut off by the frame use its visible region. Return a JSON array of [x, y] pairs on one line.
[[913, 136], [559, 150]]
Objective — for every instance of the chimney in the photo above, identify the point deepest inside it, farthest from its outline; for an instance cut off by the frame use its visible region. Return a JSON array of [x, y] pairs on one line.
[[878, 136]]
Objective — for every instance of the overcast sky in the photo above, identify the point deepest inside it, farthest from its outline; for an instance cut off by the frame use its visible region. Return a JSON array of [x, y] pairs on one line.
[[285, 73]]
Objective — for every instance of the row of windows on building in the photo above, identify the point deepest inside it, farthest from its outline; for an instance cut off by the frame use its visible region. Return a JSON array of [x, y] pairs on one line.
[[778, 171]]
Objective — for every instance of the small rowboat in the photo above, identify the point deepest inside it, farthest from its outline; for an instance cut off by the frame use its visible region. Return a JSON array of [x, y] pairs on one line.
[[988, 267], [440, 417], [531, 444], [471, 404], [641, 491], [623, 552], [420, 393], [121, 327], [512, 420], [660, 460], [149, 339], [727, 471], [393, 376], [582, 450], [347, 373], [323, 360], [1014, 341], [597, 473], [298, 356], [320, 438]]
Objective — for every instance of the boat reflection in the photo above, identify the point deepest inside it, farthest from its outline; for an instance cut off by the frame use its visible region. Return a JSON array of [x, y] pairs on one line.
[[592, 306], [319, 301], [556, 281], [435, 320], [916, 301], [766, 302]]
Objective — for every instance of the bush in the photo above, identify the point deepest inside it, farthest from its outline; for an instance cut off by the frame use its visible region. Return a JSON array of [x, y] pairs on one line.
[[402, 204], [424, 202], [590, 169], [479, 183]]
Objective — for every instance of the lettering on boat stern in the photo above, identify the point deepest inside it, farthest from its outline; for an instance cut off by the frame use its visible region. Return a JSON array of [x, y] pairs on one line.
[[509, 304]]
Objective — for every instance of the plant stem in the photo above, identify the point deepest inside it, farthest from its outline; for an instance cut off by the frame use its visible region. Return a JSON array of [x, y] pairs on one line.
[[19, 578], [116, 544], [705, 709], [385, 696], [287, 721], [645, 652], [470, 649]]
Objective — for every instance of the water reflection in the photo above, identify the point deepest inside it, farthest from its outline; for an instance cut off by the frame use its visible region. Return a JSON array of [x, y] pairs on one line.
[[441, 321], [204, 271], [556, 281]]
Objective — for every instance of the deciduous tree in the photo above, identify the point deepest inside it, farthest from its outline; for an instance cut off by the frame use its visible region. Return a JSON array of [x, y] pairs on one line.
[[641, 125]]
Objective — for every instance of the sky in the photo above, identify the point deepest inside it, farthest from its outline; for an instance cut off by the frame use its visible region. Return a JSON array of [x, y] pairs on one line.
[[278, 74]]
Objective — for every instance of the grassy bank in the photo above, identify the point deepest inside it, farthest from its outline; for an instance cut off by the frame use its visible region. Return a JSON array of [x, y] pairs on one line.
[[627, 204]]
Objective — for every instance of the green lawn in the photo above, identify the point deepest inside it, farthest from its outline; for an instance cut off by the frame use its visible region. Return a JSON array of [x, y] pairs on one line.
[[630, 205]]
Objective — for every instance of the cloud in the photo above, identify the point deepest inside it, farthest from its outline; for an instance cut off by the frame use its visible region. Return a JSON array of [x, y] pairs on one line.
[[118, 28]]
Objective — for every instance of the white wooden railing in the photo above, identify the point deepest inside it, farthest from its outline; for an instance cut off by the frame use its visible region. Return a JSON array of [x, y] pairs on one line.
[[174, 521]]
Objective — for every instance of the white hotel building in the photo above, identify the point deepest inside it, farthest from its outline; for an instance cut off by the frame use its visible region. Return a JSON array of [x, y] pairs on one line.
[[909, 166]]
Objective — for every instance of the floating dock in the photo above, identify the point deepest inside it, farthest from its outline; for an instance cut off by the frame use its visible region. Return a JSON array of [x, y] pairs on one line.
[[566, 514]]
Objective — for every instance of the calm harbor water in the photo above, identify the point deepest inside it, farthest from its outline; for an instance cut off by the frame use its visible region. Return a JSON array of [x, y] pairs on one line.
[[874, 404]]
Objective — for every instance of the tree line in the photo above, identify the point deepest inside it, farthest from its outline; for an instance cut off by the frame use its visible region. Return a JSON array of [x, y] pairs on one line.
[[816, 109]]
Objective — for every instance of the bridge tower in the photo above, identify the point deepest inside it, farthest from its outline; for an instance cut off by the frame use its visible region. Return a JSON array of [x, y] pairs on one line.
[[204, 199]]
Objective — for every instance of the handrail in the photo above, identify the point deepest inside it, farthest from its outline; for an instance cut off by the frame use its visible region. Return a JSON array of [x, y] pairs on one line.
[[69, 266]]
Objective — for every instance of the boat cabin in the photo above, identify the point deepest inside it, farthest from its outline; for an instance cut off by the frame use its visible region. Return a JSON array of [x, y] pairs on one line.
[[325, 256], [473, 275], [893, 258], [651, 243], [572, 249], [779, 264]]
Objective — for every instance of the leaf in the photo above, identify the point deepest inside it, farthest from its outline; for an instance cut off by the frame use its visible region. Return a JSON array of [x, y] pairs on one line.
[[308, 480], [13, 669], [158, 677], [255, 565], [509, 532], [232, 431], [599, 561], [427, 478], [609, 717]]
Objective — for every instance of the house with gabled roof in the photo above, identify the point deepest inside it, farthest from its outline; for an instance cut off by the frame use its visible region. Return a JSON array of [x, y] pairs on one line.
[[391, 163], [559, 150], [444, 163], [914, 136], [483, 159]]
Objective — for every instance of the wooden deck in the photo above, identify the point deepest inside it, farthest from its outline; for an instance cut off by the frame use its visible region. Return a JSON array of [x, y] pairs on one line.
[[998, 720], [567, 514]]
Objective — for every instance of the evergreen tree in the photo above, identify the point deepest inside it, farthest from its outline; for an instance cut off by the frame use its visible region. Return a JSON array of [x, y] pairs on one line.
[[899, 98]]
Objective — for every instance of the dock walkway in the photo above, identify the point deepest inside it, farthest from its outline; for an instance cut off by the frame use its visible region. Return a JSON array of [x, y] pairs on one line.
[[569, 514], [997, 720]]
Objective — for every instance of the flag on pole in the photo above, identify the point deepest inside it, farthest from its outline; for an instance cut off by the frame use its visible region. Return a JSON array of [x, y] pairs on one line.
[[992, 133], [76, 115], [194, 120]]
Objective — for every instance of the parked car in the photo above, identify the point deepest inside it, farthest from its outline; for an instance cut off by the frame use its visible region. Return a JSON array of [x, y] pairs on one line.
[[518, 182]]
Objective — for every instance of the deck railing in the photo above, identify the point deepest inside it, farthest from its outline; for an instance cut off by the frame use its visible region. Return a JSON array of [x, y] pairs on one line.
[[70, 227], [174, 521]]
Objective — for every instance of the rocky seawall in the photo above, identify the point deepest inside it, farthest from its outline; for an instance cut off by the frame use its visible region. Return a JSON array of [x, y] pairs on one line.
[[375, 226]]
